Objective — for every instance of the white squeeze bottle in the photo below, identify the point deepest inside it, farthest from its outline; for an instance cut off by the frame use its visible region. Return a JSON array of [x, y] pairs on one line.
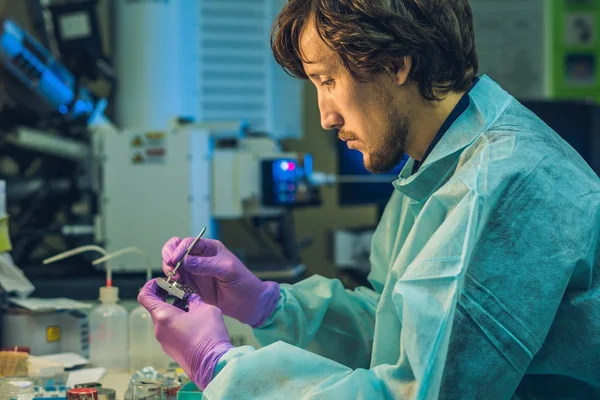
[[108, 321], [109, 332], [144, 349]]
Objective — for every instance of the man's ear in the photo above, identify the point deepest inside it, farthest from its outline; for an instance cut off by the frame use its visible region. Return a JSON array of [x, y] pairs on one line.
[[402, 67]]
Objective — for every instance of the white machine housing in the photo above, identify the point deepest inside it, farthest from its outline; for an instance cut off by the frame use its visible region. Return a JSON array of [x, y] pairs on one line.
[[210, 60], [46, 333], [187, 183]]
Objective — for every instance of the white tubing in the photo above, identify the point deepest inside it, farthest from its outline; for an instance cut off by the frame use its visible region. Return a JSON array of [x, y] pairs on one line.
[[128, 250], [79, 250]]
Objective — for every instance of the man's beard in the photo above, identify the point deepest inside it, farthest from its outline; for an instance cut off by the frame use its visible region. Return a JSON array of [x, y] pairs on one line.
[[390, 149], [385, 159]]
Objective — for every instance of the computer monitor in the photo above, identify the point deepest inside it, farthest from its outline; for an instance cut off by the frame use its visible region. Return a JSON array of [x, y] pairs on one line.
[[350, 162], [577, 122]]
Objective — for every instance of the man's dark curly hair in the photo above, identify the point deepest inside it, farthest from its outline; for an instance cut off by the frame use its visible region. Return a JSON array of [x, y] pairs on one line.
[[371, 36]]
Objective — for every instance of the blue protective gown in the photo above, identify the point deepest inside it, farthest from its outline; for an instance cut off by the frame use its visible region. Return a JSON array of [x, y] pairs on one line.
[[486, 276]]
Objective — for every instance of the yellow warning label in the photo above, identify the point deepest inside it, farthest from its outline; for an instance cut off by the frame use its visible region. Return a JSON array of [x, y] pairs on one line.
[[155, 135], [137, 159], [148, 148], [137, 142], [53, 334]]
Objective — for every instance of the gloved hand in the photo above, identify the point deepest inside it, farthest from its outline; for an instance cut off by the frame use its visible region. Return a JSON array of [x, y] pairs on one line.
[[221, 279], [196, 339]]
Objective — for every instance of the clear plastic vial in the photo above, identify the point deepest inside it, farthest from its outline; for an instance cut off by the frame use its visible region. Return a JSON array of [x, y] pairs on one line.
[[144, 349], [16, 388], [109, 332]]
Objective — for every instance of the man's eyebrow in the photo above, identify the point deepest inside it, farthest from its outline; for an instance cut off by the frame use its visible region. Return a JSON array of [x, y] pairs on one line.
[[306, 60], [316, 67]]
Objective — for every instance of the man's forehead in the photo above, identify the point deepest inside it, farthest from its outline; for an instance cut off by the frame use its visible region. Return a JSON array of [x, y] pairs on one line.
[[315, 51]]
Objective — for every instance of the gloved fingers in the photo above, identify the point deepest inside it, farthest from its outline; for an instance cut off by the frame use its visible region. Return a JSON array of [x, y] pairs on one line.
[[151, 298], [204, 248], [216, 267], [181, 275], [167, 268], [194, 302], [168, 249], [161, 293]]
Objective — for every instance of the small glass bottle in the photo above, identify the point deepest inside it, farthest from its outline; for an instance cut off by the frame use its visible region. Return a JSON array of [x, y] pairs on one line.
[[107, 394], [144, 349], [147, 390]]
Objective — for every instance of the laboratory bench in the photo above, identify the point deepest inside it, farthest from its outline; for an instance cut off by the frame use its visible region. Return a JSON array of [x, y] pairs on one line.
[[85, 287]]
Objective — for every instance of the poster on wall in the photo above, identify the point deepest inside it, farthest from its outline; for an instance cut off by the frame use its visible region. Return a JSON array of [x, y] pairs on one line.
[[576, 47], [580, 70], [580, 29], [580, 33]]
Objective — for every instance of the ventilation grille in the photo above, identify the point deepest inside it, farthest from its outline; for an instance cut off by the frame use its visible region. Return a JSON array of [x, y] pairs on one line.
[[233, 61]]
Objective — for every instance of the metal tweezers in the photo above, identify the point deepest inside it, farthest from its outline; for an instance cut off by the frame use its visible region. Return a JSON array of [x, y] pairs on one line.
[[187, 252], [174, 288]]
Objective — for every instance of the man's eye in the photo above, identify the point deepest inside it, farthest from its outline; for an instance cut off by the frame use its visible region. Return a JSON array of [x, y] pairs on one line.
[[327, 82]]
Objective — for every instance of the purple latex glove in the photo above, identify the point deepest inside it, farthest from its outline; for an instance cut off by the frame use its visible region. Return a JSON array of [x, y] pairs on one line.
[[221, 279], [196, 339]]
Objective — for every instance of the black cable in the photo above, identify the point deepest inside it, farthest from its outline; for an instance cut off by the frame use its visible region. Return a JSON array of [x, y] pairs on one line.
[[288, 236]]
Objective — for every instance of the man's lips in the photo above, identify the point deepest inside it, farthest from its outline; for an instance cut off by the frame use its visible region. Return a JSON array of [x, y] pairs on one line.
[[351, 143]]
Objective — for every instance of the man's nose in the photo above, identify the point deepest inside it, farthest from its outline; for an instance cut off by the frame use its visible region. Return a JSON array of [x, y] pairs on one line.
[[331, 120]]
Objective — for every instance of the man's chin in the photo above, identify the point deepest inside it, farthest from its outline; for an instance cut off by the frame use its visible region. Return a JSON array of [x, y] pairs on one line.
[[369, 168], [374, 169], [378, 166], [367, 162]]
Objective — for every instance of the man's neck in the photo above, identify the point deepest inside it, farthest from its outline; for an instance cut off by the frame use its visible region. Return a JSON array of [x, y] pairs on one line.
[[426, 120]]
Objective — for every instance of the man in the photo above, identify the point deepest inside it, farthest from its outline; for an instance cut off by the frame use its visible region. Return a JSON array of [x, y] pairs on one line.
[[485, 265]]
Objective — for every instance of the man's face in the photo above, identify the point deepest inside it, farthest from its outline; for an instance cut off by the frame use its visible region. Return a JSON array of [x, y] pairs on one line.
[[367, 115]]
